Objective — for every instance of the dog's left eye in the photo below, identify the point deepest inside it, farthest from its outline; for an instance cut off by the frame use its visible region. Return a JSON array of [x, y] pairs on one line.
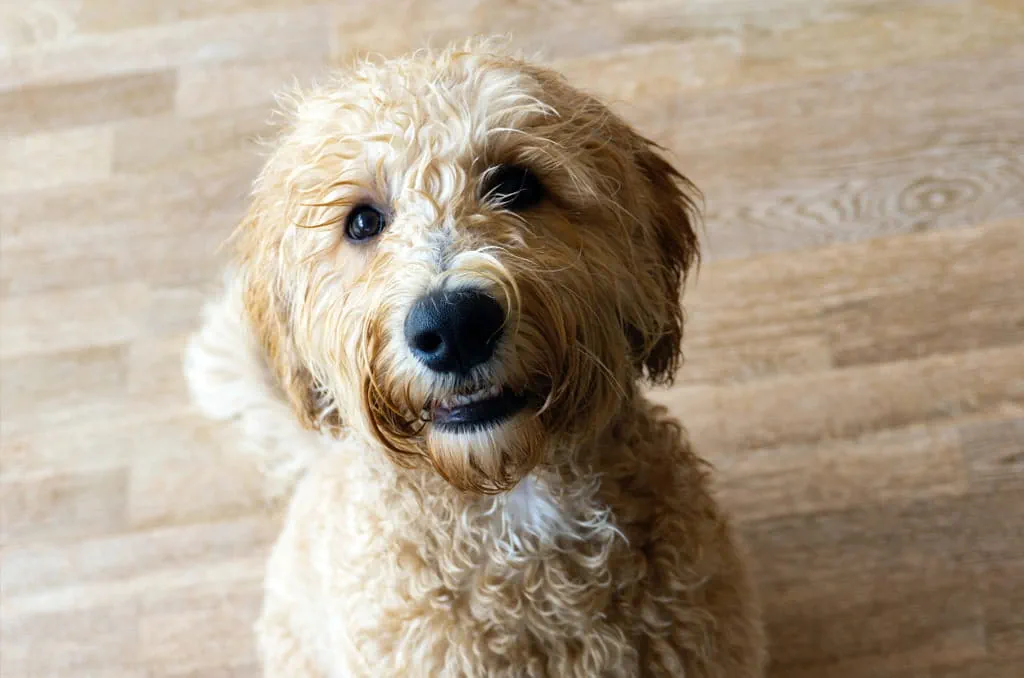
[[513, 187], [363, 223]]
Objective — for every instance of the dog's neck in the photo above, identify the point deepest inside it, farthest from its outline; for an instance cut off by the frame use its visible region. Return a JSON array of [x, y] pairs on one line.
[[575, 501], [556, 503]]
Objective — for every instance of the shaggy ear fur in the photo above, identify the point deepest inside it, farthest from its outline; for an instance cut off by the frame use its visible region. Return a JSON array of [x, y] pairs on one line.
[[279, 350], [266, 309], [673, 214], [667, 197]]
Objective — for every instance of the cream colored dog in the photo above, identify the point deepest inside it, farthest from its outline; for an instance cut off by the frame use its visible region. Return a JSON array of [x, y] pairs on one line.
[[456, 273]]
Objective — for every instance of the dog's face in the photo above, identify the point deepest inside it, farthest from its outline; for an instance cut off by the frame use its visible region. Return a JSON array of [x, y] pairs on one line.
[[466, 258]]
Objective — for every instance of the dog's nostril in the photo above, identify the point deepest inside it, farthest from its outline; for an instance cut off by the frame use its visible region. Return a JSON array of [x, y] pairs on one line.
[[455, 330], [427, 342]]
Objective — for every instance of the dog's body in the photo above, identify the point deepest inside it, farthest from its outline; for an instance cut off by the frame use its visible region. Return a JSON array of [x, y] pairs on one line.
[[473, 503]]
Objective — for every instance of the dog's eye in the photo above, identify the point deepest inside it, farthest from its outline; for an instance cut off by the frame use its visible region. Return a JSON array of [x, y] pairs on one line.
[[513, 187], [363, 223]]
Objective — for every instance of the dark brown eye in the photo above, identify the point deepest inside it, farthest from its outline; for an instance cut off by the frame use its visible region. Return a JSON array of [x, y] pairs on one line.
[[513, 187], [364, 222]]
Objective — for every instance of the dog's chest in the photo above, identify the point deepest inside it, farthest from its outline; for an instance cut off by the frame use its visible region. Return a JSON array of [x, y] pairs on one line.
[[527, 578]]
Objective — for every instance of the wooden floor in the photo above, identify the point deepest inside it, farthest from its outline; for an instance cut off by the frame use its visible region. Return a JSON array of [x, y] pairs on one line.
[[855, 351]]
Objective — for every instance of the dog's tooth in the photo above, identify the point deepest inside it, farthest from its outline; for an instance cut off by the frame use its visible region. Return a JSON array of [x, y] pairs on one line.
[[461, 399]]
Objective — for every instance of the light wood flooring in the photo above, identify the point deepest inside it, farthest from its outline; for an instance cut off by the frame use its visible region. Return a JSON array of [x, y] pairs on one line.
[[855, 348]]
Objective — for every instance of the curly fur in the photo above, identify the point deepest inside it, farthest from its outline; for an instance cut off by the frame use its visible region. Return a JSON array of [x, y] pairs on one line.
[[579, 538]]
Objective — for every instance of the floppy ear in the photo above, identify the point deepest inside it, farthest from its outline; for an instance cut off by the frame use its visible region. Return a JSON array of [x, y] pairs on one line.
[[267, 311], [673, 215]]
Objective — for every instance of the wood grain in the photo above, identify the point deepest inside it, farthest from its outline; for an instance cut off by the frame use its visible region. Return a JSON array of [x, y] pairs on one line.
[[83, 103], [52, 159], [854, 367]]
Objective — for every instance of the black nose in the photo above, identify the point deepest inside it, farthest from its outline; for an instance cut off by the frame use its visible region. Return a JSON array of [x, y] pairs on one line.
[[455, 330]]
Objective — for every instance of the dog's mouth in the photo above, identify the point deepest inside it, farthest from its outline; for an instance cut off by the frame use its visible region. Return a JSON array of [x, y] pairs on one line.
[[486, 407]]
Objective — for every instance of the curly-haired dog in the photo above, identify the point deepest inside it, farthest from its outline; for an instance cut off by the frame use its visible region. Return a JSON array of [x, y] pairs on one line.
[[456, 273]]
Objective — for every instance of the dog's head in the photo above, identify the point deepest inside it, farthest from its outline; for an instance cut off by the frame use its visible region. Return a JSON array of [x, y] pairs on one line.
[[467, 259]]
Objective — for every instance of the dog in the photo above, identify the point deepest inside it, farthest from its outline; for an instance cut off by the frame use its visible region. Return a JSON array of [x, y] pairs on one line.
[[455, 278]]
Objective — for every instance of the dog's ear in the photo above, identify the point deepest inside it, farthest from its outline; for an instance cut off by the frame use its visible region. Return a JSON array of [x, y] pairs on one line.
[[673, 216], [667, 199], [267, 312]]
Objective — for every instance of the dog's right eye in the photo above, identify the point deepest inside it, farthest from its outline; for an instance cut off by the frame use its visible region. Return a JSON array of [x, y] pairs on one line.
[[513, 187], [363, 223]]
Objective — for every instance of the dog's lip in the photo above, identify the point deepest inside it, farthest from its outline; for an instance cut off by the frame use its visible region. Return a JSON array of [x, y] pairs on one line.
[[484, 407]]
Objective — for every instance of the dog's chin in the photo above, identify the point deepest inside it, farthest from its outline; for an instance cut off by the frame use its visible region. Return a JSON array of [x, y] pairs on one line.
[[486, 444]]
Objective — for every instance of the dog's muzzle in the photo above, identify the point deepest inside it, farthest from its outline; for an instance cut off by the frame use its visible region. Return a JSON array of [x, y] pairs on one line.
[[451, 332]]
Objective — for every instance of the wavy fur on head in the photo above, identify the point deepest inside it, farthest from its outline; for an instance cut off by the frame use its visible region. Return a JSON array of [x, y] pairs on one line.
[[576, 538]]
